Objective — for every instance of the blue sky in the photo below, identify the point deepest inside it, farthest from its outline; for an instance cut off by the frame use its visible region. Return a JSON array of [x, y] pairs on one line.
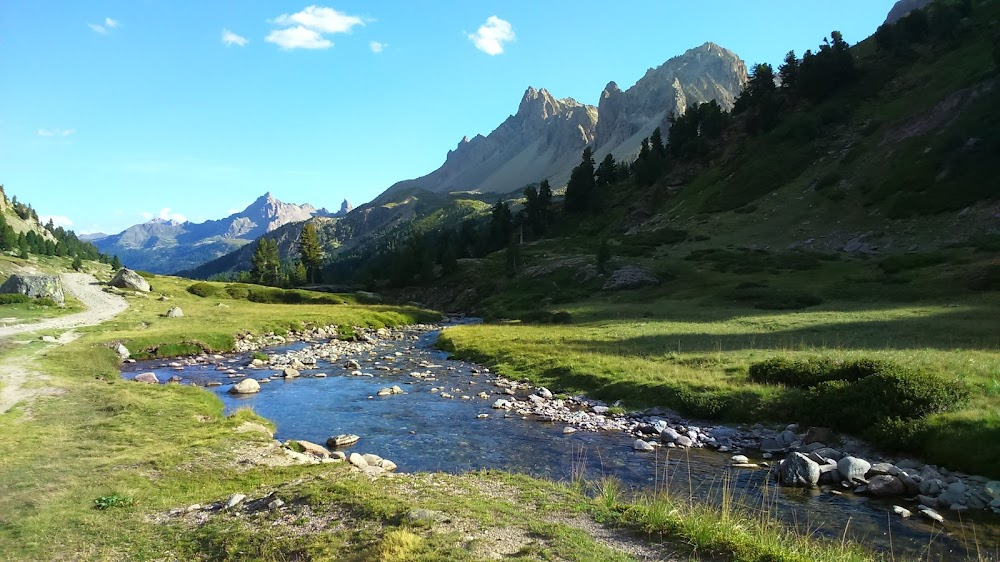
[[114, 112]]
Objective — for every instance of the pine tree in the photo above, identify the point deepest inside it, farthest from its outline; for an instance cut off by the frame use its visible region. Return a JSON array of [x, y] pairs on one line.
[[607, 171], [77, 263], [116, 263], [545, 204], [266, 263], [789, 72], [311, 251], [582, 184], [298, 275], [501, 225]]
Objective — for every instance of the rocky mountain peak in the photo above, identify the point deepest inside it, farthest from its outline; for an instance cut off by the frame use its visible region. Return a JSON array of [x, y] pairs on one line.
[[903, 7], [346, 207]]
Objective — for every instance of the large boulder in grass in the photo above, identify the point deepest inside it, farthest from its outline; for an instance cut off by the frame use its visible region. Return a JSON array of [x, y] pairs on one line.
[[128, 279], [35, 286]]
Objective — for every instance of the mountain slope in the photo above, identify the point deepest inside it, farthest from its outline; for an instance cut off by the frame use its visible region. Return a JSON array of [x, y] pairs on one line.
[[164, 246], [544, 139]]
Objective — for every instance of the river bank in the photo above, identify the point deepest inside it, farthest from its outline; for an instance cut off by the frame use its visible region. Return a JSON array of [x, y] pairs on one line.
[[378, 361]]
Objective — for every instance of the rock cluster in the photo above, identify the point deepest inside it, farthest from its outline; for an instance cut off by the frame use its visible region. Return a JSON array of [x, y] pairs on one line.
[[629, 277]]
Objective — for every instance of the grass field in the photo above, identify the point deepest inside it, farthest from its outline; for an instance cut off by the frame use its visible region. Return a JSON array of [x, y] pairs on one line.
[[142, 450], [694, 356]]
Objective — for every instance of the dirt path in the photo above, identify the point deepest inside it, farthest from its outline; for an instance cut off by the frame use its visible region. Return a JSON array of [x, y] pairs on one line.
[[16, 371]]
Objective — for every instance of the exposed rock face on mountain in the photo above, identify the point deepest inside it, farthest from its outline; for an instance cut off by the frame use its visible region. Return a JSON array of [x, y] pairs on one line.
[[544, 139], [165, 246], [705, 73], [903, 7], [345, 208]]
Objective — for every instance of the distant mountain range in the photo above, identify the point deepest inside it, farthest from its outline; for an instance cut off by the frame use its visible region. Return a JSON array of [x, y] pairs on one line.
[[166, 246], [546, 136]]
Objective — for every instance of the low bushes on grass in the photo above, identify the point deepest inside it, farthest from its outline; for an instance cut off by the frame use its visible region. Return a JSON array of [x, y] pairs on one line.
[[204, 290], [238, 292], [14, 298], [806, 373]]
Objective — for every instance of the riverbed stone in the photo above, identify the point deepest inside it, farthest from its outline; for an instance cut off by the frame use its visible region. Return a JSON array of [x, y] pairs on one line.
[[289, 373], [740, 459], [245, 386], [798, 470], [148, 378], [684, 441], [884, 485], [357, 460], [930, 487], [992, 489], [953, 494], [642, 445], [880, 468], [818, 435], [544, 393], [342, 440], [901, 511], [312, 449], [234, 500], [669, 435], [932, 515], [853, 469]]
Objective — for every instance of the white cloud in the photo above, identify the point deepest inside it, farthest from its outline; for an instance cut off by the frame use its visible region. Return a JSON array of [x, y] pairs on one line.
[[104, 29], [377, 47], [229, 39], [298, 38], [57, 220], [164, 214], [491, 36], [320, 19], [55, 132]]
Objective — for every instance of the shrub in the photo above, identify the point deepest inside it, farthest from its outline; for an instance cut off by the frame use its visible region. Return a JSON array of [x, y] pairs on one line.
[[107, 502], [14, 298], [238, 292], [204, 290], [45, 301], [807, 373], [888, 395]]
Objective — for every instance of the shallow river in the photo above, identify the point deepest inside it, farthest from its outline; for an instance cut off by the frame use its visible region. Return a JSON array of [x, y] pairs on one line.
[[420, 431]]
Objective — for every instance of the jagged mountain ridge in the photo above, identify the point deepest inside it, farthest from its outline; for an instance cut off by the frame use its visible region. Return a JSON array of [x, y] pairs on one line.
[[544, 139], [164, 246]]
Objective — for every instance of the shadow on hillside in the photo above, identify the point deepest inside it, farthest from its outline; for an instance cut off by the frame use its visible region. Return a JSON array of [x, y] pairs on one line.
[[977, 329]]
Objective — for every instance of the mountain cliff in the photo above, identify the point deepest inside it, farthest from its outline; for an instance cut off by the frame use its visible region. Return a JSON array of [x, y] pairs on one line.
[[544, 139], [705, 73], [165, 246]]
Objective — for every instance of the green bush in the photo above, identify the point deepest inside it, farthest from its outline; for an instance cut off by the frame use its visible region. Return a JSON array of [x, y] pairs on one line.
[[204, 290], [107, 502], [869, 403], [238, 292], [45, 301], [14, 298], [807, 373]]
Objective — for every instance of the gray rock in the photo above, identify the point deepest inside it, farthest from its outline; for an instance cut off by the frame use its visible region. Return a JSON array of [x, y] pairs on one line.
[[275, 503], [740, 459], [629, 277], [881, 468], [829, 453], [122, 351], [426, 516], [175, 312], [927, 500], [357, 460], [798, 470], [234, 500], [932, 515], [128, 279], [148, 378], [544, 393], [245, 386], [35, 286], [992, 489], [788, 437], [342, 440], [818, 435], [884, 485], [853, 469], [772, 445], [289, 373], [641, 445], [953, 494], [684, 441], [901, 511], [930, 487], [669, 435]]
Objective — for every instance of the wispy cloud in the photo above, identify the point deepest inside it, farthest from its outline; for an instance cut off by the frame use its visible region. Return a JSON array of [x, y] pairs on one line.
[[57, 220], [56, 132], [229, 39], [298, 38], [491, 36], [103, 28], [166, 214], [377, 47], [308, 29]]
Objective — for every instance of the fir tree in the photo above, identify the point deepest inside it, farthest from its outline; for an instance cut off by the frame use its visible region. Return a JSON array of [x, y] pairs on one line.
[[582, 184], [311, 251]]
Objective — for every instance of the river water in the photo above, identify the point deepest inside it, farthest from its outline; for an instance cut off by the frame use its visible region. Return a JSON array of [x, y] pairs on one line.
[[421, 431]]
